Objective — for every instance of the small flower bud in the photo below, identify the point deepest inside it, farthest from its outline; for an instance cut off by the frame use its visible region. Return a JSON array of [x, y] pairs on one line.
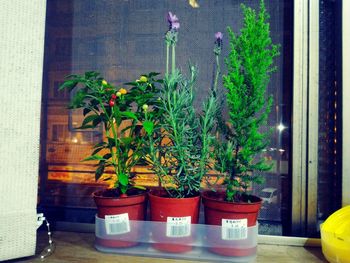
[[123, 91], [111, 103], [119, 94], [113, 97], [143, 79], [104, 83], [145, 107]]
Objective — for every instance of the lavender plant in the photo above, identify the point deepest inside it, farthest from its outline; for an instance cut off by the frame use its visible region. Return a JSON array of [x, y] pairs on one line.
[[180, 146], [250, 64]]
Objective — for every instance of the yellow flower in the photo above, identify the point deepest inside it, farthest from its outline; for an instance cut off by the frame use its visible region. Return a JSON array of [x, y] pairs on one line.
[[122, 91], [143, 79], [104, 83], [145, 107]]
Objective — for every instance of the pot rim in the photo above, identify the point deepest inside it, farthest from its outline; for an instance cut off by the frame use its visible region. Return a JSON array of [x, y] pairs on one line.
[[205, 196], [152, 193], [96, 194]]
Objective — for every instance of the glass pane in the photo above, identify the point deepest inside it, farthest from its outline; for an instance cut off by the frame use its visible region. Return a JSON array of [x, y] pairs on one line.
[[123, 39], [329, 145]]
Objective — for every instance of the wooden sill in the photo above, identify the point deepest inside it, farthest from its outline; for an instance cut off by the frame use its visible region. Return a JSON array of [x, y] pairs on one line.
[[78, 247]]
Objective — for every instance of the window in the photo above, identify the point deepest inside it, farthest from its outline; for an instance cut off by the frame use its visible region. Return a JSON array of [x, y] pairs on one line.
[[124, 39]]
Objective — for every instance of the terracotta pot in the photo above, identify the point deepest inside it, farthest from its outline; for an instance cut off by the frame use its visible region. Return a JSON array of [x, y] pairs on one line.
[[162, 207], [216, 209], [134, 205]]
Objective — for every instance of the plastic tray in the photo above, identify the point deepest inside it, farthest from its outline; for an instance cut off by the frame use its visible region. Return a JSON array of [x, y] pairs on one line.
[[199, 242]]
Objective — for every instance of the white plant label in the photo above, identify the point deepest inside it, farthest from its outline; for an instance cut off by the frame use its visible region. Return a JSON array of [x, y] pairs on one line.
[[234, 229], [178, 226], [117, 224]]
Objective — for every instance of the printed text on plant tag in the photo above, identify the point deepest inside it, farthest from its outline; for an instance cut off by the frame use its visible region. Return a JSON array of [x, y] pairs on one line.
[[234, 229], [178, 226], [117, 224]]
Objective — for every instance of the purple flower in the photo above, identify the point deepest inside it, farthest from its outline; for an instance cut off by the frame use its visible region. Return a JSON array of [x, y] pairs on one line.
[[172, 17], [175, 25], [173, 21], [218, 43], [218, 36]]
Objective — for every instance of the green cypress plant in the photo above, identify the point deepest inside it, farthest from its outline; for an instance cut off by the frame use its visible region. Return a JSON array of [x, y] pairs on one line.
[[249, 64]]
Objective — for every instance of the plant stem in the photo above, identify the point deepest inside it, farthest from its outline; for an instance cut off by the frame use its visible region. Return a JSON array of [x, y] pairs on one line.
[[167, 59], [217, 73], [116, 162], [173, 64]]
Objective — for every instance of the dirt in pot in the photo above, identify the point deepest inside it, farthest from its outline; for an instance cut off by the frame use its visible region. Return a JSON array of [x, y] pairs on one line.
[[117, 193], [238, 198], [170, 193]]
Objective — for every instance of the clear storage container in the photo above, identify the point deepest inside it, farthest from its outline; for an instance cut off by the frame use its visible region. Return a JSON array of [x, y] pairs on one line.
[[201, 242]]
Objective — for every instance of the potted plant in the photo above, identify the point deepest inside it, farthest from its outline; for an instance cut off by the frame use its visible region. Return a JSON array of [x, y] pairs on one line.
[[249, 64], [121, 113], [179, 150]]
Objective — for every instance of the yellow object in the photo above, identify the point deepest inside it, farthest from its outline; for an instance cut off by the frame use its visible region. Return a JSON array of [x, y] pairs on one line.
[[123, 91], [335, 236], [143, 79]]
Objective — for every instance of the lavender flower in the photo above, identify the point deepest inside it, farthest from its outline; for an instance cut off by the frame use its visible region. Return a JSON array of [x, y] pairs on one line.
[[171, 40], [218, 43], [218, 36], [173, 21]]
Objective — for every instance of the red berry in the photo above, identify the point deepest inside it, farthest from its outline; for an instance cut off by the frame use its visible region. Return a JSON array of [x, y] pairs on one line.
[[113, 96], [111, 103]]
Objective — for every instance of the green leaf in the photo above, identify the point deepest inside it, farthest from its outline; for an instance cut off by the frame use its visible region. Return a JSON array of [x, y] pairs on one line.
[[111, 142], [68, 84], [94, 158], [148, 126], [134, 83], [126, 140], [99, 171], [97, 121], [129, 114], [78, 99], [97, 150], [100, 144], [107, 156], [86, 111], [89, 119], [91, 74], [123, 179], [153, 74]]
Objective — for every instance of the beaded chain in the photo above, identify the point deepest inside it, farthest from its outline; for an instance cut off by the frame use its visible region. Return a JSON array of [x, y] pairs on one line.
[[51, 247]]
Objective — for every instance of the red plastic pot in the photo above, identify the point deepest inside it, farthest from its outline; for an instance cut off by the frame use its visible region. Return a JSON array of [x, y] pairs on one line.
[[161, 207], [135, 205], [216, 209]]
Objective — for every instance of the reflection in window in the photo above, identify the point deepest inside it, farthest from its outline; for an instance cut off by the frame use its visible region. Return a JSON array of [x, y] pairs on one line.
[[122, 40]]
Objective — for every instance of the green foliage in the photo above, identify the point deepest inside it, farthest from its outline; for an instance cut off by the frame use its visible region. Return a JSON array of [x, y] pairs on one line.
[[121, 112], [180, 149], [249, 64], [181, 144]]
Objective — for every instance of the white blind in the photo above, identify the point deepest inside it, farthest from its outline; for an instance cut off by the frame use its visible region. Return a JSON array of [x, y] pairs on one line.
[[22, 25]]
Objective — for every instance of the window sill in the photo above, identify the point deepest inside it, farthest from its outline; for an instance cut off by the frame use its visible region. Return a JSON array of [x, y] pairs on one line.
[[78, 247]]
